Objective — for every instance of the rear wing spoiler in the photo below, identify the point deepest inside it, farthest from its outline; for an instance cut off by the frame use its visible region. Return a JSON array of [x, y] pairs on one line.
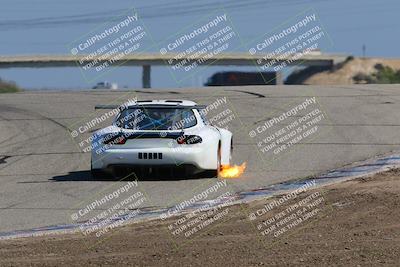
[[122, 107]]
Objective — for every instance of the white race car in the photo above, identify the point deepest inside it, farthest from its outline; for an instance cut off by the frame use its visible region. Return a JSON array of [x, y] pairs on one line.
[[162, 137]]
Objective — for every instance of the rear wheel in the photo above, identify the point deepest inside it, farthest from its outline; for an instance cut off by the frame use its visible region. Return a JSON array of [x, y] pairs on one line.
[[231, 152], [214, 173], [218, 170], [96, 173], [219, 161]]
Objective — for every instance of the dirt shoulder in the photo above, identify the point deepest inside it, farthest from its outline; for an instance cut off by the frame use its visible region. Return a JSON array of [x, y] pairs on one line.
[[357, 223]]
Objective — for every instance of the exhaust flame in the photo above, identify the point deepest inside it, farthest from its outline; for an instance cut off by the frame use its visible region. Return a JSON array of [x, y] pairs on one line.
[[235, 171]]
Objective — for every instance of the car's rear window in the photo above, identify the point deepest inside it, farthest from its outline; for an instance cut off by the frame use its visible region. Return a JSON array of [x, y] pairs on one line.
[[156, 118]]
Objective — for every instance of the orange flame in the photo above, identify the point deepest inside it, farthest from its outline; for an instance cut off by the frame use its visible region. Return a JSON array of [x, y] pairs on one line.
[[235, 171]]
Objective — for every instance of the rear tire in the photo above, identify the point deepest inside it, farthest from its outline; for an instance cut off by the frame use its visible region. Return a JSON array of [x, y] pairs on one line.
[[96, 173], [215, 173], [231, 152]]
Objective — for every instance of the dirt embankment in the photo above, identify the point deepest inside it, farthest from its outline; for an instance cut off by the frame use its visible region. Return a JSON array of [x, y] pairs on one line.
[[342, 74], [357, 224]]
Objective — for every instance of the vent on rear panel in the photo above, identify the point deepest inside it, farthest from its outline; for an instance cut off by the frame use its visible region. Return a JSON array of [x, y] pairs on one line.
[[144, 155]]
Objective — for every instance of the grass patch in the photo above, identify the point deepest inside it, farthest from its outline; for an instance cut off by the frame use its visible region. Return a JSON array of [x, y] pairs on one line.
[[8, 87], [384, 74]]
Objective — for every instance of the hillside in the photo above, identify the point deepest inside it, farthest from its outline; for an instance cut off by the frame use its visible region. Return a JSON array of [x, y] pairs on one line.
[[343, 73]]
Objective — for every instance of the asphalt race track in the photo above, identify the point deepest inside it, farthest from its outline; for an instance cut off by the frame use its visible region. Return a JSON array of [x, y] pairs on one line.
[[45, 177]]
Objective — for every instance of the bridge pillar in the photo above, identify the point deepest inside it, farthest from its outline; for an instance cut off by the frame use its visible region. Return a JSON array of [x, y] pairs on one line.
[[279, 78], [146, 82]]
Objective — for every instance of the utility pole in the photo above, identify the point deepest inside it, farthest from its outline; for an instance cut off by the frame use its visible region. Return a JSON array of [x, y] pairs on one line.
[[364, 48], [146, 82]]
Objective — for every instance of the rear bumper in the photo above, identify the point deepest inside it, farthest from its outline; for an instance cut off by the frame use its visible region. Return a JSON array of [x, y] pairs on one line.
[[197, 156]]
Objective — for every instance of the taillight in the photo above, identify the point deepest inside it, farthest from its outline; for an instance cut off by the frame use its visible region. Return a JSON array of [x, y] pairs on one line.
[[117, 140], [189, 139], [120, 141]]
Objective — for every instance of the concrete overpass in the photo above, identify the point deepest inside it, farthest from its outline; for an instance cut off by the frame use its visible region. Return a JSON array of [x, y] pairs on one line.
[[157, 59]]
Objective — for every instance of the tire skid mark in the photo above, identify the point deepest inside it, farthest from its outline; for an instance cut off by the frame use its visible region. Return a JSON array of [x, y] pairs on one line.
[[247, 92], [22, 144], [3, 159]]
